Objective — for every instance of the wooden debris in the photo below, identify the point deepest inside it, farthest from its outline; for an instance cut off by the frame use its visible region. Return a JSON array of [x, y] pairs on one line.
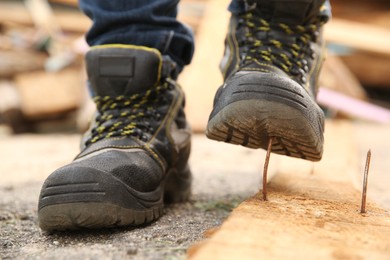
[[43, 17], [66, 2], [47, 94], [373, 12], [17, 61], [371, 70], [335, 75], [359, 36], [68, 20]]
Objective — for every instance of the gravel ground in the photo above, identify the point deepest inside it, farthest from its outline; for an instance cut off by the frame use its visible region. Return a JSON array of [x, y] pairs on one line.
[[221, 182], [167, 238]]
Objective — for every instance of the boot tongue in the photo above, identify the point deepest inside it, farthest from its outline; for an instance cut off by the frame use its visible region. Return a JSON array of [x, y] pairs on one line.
[[115, 71], [291, 12]]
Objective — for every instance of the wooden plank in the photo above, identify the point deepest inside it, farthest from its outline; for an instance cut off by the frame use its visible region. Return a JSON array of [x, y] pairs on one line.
[[310, 214], [202, 77], [46, 94], [68, 20], [43, 17], [373, 12], [76, 21], [359, 36], [74, 3], [371, 70], [353, 107], [336, 76], [18, 61]]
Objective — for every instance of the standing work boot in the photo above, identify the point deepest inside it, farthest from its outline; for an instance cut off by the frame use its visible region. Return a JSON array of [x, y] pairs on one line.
[[135, 154], [273, 56]]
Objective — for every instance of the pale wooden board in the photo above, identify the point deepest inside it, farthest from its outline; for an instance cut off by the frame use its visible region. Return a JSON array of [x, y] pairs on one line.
[[202, 77], [310, 214], [66, 2]]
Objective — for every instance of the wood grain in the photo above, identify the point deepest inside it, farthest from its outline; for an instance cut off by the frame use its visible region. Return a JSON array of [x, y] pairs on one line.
[[310, 214]]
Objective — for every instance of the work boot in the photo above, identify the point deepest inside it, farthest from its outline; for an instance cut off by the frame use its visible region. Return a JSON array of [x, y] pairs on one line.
[[135, 154], [273, 56]]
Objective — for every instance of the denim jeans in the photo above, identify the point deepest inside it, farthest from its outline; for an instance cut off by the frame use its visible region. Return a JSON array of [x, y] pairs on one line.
[[150, 23]]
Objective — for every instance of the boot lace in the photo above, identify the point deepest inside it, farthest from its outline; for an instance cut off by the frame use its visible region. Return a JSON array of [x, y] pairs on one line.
[[133, 115], [290, 49]]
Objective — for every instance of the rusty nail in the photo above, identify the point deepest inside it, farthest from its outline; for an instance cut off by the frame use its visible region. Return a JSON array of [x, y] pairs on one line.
[[266, 168], [365, 180]]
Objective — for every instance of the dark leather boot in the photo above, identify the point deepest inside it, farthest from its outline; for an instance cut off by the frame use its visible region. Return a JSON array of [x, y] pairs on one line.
[[136, 152], [273, 57]]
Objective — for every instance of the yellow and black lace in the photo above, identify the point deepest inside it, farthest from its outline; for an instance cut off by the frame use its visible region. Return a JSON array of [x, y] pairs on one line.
[[287, 47], [133, 115]]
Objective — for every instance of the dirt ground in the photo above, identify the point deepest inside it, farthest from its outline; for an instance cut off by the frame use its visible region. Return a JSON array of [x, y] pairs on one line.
[[221, 182], [182, 225]]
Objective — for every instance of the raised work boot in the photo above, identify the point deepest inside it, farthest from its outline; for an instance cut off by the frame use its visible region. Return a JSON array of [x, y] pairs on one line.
[[134, 155], [273, 56]]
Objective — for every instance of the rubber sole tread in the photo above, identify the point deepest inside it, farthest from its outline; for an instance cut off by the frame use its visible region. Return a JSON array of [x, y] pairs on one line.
[[252, 123], [93, 215], [71, 211]]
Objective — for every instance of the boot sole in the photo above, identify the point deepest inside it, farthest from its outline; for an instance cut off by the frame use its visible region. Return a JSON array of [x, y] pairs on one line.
[[71, 206], [177, 186], [93, 215], [250, 123]]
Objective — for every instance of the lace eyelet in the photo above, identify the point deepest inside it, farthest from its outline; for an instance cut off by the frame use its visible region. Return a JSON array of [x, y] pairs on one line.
[[303, 80], [294, 71], [158, 116], [144, 138]]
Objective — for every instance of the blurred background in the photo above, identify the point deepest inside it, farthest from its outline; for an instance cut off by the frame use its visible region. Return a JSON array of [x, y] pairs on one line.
[[42, 79]]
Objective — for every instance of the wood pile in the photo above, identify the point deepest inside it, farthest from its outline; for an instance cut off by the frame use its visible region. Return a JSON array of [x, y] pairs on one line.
[[42, 78], [40, 67]]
